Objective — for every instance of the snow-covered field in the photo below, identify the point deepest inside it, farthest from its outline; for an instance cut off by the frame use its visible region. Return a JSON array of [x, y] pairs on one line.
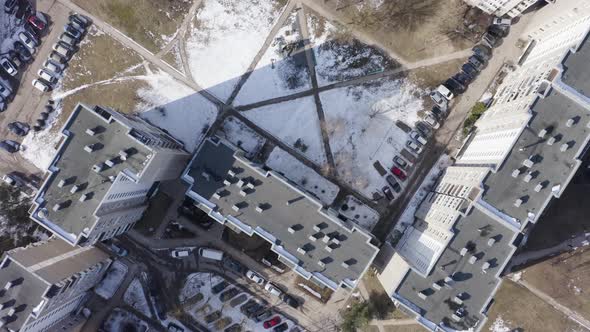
[[363, 215], [135, 297], [339, 59], [224, 38], [112, 280], [123, 321], [203, 282], [407, 217], [361, 121], [296, 123], [281, 71], [239, 134], [39, 147], [308, 179], [9, 29], [176, 108]]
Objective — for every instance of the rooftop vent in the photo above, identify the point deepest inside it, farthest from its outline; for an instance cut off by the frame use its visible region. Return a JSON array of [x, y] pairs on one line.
[[84, 197], [457, 300], [485, 266], [570, 122], [291, 230], [7, 304], [250, 185], [463, 251], [58, 206], [326, 238], [539, 187], [111, 162], [518, 202], [321, 264], [61, 183], [236, 207], [13, 283], [515, 173], [98, 167], [123, 155], [301, 251], [91, 131], [542, 133], [243, 192], [564, 147], [335, 240], [491, 241], [422, 295], [217, 195], [527, 178], [328, 248], [231, 173], [74, 189], [528, 163], [551, 140], [472, 259], [226, 182], [11, 312], [316, 236], [449, 282], [260, 208], [241, 183], [436, 285]]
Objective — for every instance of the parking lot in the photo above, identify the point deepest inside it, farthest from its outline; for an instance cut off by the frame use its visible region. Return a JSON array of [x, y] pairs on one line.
[[27, 102]]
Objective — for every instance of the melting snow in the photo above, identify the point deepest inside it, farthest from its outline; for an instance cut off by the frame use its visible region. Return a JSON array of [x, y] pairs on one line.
[[112, 280], [135, 297], [242, 136]]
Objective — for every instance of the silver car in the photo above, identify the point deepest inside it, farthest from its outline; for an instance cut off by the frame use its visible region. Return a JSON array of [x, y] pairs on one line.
[[5, 89]]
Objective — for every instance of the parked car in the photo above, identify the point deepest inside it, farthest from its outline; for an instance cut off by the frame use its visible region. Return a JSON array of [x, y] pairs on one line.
[[470, 70], [254, 310], [29, 40], [23, 52], [37, 22], [81, 20], [68, 39], [418, 138], [118, 250], [229, 294], [439, 99], [5, 89], [219, 287], [272, 289], [476, 62], [400, 162], [10, 145], [272, 322], [431, 121], [497, 31], [232, 264], [41, 85], [47, 76], [393, 183], [64, 52], [57, 58], [424, 128], [454, 86], [399, 173], [180, 253], [462, 78], [281, 328], [77, 26], [70, 48], [490, 40], [482, 50], [502, 21], [213, 254], [8, 66], [72, 31], [53, 66], [262, 316], [290, 300], [10, 6], [445, 92], [414, 147], [438, 113], [388, 194], [2, 104], [18, 128], [258, 279]]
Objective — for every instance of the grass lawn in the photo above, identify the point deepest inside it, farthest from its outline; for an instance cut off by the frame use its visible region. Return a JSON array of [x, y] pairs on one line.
[[520, 309], [145, 21]]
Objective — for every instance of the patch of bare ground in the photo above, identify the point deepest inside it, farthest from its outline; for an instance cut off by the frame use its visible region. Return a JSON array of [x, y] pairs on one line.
[[151, 23], [431, 76], [520, 310], [566, 278]]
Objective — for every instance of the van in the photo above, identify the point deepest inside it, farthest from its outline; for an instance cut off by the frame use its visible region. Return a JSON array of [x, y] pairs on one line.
[[211, 253]]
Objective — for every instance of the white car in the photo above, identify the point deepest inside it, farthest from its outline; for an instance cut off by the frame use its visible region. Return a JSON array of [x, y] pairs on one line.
[[418, 138], [502, 21], [8, 66], [272, 289], [445, 92], [53, 66], [179, 253], [9, 180], [255, 277], [61, 50], [439, 99], [28, 40], [414, 147], [41, 86], [47, 75], [431, 121]]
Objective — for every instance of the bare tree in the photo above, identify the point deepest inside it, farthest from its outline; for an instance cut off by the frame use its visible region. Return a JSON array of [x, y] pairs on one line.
[[407, 14]]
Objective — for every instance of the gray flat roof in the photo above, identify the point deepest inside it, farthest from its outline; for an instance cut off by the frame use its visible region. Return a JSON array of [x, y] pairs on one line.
[[75, 167], [552, 168], [575, 72], [476, 229], [284, 207]]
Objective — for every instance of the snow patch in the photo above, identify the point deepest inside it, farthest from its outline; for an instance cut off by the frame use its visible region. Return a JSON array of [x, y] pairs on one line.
[[242, 136], [135, 297], [294, 170], [500, 325], [516, 277], [224, 38], [296, 123], [112, 280], [40, 147]]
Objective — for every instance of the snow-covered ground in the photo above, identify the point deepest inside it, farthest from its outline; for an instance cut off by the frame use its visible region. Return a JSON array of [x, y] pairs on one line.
[[239, 134], [407, 217], [202, 283], [281, 161], [337, 58], [9, 29], [296, 123], [176, 108], [112, 280], [360, 213], [500, 325], [224, 38], [122, 321], [281, 71], [361, 122], [39, 147], [135, 297]]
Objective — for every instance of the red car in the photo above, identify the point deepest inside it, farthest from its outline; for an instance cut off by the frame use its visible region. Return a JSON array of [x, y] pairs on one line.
[[37, 23], [399, 173], [272, 322]]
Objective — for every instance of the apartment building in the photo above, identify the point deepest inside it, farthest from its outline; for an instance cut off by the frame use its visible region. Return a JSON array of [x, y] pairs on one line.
[[45, 282], [252, 199], [448, 283], [104, 170], [499, 8]]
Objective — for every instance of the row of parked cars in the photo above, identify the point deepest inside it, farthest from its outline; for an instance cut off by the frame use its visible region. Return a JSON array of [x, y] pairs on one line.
[[63, 50]]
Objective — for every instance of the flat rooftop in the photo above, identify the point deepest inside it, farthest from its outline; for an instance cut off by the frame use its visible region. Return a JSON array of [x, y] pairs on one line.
[[472, 231], [75, 165], [575, 72], [344, 255]]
